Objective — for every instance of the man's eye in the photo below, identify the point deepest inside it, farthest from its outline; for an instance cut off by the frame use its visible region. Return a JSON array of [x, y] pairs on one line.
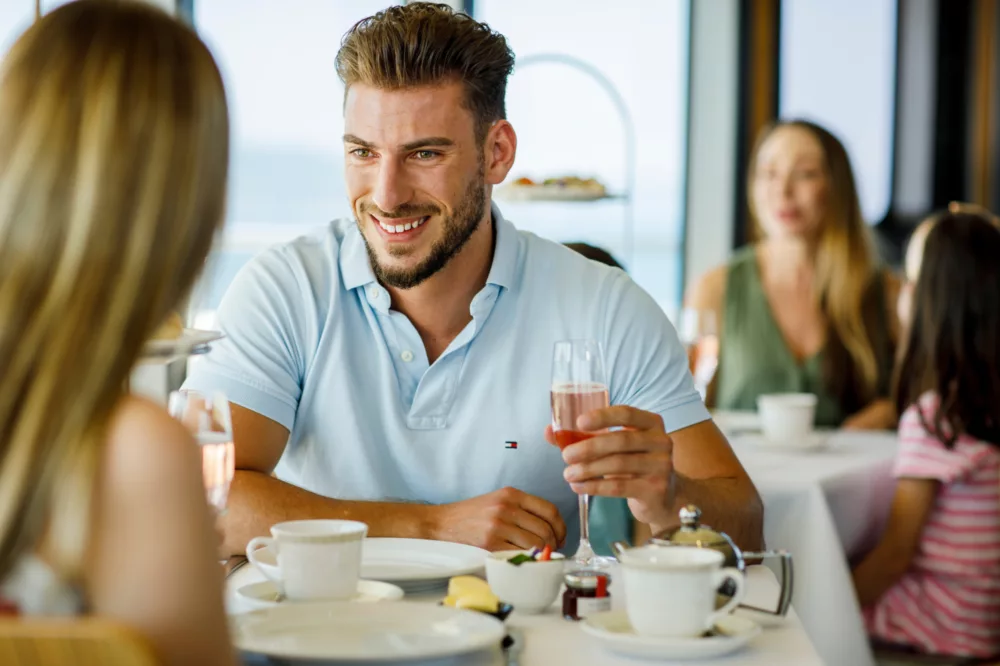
[[363, 153]]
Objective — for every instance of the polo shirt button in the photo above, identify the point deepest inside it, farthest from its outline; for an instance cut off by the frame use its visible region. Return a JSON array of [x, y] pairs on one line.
[[407, 356], [373, 293]]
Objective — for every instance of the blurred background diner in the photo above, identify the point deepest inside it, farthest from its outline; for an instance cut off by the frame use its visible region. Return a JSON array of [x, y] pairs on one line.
[[805, 188]]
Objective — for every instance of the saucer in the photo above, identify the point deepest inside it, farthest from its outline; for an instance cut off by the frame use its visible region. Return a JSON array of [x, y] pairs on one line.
[[613, 631], [265, 594], [814, 441]]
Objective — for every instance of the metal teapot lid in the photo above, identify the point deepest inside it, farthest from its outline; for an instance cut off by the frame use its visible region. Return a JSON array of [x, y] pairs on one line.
[[692, 533]]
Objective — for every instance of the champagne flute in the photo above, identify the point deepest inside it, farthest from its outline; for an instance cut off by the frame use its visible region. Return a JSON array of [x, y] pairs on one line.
[[579, 385], [698, 332], [208, 419]]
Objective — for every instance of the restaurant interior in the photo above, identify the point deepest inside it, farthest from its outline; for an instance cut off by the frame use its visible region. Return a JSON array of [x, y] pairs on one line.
[[500, 332]]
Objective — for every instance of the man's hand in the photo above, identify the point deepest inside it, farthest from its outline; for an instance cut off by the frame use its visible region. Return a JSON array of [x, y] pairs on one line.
[[505, 519], [635, 462]]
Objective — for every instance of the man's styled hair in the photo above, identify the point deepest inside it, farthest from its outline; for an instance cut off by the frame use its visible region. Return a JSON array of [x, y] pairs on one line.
[[425, 44]]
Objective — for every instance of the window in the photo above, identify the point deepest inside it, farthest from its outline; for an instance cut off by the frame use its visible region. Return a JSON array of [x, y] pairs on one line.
[[568, 124], [15, 17], [285, 100], [286, 170], [838, 68]]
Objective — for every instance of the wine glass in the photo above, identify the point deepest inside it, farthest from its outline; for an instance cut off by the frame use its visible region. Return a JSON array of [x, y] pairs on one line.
[[208, 419], [579, 385], [698, 332]]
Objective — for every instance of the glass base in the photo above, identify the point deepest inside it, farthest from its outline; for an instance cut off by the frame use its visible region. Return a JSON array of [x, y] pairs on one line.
[[585, 558], [599, 562]]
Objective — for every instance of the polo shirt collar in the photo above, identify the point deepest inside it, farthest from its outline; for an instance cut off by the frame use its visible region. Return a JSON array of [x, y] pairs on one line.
[[503, 272], [356, 269]]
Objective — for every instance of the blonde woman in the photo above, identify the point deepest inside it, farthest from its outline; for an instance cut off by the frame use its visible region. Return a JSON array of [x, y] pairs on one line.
[[113, 159], [807, 308]]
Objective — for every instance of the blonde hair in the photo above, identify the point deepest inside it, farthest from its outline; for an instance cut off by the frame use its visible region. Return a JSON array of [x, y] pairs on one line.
[[114, 146], [424, 43], [846, 272]]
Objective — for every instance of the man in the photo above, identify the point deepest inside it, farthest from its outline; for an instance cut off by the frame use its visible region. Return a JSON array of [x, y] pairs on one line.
[[394, 369]]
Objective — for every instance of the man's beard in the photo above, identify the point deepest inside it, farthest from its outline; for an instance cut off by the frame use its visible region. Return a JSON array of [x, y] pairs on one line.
[[458, 228]]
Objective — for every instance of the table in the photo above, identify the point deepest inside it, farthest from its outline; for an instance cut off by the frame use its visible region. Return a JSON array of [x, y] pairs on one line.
[[824, 507], [551, 640]]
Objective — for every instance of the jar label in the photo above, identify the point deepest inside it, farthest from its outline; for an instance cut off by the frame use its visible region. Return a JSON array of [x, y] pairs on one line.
[[589, 606]]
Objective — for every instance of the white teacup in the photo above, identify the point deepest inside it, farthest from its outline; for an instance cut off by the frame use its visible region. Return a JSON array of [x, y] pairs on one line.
[[317, 559], [670, 590], [787, 418]]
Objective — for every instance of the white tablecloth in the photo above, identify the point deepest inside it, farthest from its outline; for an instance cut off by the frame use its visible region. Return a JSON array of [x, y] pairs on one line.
[[550, 640], [823, 507]]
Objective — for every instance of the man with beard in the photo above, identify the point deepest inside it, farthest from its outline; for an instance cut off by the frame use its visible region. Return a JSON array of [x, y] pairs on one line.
[[394, 368]]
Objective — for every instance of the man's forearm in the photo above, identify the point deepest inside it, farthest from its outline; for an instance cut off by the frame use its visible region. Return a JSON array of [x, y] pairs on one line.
[[257, 501], [727, 505]]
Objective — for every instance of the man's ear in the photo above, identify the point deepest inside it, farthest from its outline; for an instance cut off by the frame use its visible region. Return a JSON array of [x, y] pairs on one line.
[[499, 151]]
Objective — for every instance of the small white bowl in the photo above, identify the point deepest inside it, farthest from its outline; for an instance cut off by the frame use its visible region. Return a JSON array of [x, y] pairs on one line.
[[530, 587]]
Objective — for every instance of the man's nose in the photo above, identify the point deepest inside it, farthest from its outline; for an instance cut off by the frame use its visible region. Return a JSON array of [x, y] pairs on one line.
[[392, 188]]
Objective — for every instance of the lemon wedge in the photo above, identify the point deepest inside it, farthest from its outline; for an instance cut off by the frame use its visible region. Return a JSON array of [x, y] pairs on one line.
[[472, 593]]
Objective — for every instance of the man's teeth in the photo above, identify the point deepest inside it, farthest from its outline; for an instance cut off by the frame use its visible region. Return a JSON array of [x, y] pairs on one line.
[[400, 228]]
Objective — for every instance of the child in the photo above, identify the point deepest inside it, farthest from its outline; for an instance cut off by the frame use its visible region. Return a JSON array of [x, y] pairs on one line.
[[933, 581]]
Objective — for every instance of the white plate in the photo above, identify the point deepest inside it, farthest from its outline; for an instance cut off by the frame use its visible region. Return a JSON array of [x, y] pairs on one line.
[[812, 442], [190, 341], [417, 562], [613, 631], [265, 594], [415, 565], [345, 631]]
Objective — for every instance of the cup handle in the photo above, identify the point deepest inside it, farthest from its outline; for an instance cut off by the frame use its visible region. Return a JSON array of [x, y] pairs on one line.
[[739, 582], [787, 580], [265, 569]]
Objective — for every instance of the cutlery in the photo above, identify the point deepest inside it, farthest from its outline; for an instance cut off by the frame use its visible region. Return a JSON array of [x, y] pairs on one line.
[[234, 564], [514, 647]]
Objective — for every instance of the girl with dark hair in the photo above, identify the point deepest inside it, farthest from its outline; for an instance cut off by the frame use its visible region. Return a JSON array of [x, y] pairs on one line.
[[933, 581]]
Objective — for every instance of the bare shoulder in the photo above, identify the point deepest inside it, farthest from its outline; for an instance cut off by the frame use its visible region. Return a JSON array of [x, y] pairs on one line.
[[146, 447], [709, 291], [153, 532]]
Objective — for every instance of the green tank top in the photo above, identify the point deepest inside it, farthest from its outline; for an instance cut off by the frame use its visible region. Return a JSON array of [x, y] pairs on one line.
[[754, 359]]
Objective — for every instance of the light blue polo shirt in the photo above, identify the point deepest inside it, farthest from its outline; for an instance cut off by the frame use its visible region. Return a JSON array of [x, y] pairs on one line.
[[312, 343]]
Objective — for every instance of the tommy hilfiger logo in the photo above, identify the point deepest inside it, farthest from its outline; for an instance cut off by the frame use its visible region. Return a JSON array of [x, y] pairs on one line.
[[511, 445]]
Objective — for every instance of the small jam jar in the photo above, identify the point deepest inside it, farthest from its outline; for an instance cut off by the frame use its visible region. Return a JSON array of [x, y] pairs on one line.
[[586, 593]]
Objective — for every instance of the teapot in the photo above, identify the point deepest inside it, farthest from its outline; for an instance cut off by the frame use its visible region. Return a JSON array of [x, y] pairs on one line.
[[692, 533]]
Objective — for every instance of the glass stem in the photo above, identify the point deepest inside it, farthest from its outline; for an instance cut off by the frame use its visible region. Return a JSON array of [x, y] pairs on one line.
[[584, 501]]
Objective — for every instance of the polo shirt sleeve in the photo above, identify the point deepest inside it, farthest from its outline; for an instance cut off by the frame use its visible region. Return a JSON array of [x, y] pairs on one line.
[[259, 364], [648, 364]]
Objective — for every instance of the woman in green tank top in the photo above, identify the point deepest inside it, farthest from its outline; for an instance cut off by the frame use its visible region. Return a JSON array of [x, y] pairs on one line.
[[807, 308]]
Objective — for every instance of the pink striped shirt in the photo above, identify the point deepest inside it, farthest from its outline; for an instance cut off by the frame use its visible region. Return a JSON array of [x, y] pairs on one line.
[[949, 600]]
